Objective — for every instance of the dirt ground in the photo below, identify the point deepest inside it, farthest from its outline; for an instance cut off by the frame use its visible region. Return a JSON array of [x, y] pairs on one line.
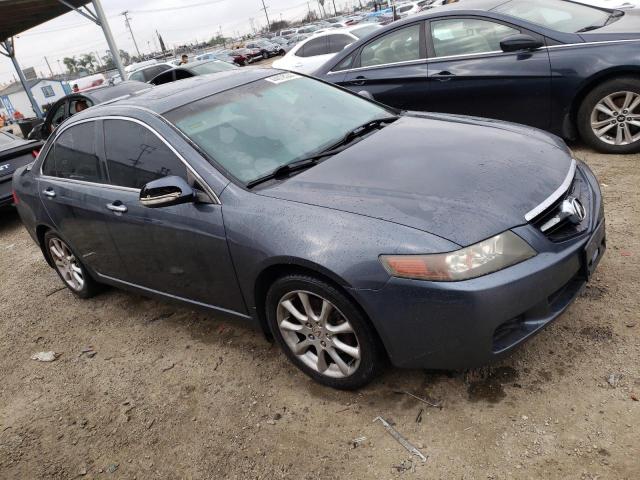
[[172, 393]]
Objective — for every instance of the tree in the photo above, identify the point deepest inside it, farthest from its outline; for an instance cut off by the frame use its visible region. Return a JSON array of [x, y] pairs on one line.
[[279, 25], [71, 63], [312, 16], [88, 61], [218, 40]]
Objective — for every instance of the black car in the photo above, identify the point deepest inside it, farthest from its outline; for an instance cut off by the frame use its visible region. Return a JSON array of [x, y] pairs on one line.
[[14, 153], [76, 102], [356, 234], [268, 49], [561, 66], [192, 69]]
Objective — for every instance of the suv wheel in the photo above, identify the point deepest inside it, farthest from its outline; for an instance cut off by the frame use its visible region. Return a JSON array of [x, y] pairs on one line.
[[609, 117], [322, 332], [68, 267]]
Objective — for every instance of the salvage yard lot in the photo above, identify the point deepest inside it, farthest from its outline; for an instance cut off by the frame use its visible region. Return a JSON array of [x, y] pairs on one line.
[[173, 393]]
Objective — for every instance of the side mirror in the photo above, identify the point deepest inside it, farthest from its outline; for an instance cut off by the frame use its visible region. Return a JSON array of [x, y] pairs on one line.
[[365, 94], [519, 42], [166, 192]]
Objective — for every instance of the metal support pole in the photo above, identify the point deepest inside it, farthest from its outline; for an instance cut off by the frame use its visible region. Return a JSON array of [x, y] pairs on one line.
[[102, 22], [9, 47]]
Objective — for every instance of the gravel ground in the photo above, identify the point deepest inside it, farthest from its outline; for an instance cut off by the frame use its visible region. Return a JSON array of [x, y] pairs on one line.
[[166, 392]]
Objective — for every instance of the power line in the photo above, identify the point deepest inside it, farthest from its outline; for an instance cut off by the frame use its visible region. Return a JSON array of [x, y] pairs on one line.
[[264, 7]]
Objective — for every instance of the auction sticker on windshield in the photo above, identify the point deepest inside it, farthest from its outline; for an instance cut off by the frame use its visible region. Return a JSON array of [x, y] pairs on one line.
[[282, 77]]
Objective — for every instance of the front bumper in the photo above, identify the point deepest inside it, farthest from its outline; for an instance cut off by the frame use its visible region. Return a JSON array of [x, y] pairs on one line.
[[468, 324]]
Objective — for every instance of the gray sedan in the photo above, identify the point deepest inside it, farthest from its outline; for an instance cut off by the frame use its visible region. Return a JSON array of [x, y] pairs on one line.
[[349, 232]]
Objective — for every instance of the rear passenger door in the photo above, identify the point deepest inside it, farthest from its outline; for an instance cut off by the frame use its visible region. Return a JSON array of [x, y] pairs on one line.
[[391, 67], [178, 250], [74, 191]]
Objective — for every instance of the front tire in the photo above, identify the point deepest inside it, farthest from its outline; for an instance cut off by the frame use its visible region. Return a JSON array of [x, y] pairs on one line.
[[69, 268], [609, 117], [322, 332]]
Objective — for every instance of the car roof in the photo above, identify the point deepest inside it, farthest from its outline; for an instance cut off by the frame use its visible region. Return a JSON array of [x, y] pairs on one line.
[[167, 97], [337, 31], [109, 92]]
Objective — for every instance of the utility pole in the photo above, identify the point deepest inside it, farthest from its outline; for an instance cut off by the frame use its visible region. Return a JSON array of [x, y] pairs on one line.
[[128, 24], [264, 7], [46, 60]]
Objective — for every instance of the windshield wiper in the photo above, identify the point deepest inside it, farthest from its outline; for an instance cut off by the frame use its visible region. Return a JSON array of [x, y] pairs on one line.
[[365, 128], [310, 161], [610, 19]]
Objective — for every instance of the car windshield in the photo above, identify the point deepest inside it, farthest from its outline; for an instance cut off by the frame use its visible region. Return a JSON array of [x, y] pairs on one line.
[[212, 67], [252, 130], [567, 17], [364, 31]]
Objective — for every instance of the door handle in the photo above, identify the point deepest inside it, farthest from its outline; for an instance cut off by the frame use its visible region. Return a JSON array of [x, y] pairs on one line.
[[358, 81], [49, 192], [117, 208], [443, 76]]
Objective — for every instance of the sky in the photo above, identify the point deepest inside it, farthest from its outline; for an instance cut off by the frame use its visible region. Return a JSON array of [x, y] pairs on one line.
[[178, 21]]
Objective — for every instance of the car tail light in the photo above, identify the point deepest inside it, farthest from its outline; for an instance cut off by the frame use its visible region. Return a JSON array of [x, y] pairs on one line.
[[35, 153], [15, 197]]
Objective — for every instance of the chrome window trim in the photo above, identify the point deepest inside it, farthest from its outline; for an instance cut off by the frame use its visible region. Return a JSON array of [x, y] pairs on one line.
[[555, 196], [92, 184], [494, 52], [382, 65], [204, 184]]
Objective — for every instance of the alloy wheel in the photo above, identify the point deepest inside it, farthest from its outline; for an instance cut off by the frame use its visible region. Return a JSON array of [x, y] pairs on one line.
[[318, 334], [615, 119], [66, 264]]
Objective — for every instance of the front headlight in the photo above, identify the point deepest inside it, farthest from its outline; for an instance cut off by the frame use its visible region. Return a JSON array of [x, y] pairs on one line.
[[488, 256]]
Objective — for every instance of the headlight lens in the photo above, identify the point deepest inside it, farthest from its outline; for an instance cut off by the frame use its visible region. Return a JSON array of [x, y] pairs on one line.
[[486, 257]]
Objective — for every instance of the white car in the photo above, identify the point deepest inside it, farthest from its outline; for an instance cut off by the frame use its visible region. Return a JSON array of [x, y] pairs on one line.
[[404, 10], [314, 51]]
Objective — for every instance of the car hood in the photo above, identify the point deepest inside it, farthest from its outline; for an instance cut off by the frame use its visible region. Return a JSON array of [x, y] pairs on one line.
[[461, 178]]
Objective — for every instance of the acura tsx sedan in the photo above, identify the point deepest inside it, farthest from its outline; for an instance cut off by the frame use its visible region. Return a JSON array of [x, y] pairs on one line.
[[354, 235]]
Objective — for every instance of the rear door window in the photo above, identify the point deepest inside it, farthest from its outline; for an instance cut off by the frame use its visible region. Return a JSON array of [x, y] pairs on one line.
[[136, 156], [316, 46], [74, 155], [338, 42]]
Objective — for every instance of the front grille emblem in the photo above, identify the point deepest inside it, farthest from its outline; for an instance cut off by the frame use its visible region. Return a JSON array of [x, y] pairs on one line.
[[571, 209]]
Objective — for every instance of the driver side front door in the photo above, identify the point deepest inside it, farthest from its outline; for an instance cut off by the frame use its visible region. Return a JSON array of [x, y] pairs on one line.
[[179, 251], [469, 74]]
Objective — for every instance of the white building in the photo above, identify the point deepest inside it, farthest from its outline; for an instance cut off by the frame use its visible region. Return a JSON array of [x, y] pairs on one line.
[[45, 91]]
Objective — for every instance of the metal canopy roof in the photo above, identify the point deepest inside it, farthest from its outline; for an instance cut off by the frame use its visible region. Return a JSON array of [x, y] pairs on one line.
[[16, 16]]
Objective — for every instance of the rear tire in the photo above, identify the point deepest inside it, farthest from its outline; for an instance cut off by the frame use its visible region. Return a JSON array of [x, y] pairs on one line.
[[68, 266], [322, 332], [609, 117]]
